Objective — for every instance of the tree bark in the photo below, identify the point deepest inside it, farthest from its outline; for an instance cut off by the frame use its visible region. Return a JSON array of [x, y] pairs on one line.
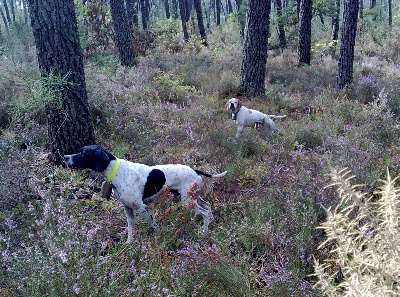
[[252, 77], [182, 12], [335, 20], [7, 11], [304, 46], [373, 4], [349, 30], [218, 11], [12, 7], [58, 51], [145, 10], [175, 9], [123, 34], [132, 13], [281, 28], [229, 7], [167, 12], [3, 16], [202, 29]]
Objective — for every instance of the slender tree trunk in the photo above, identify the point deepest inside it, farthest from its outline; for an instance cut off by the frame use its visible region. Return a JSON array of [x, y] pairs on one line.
[[373, 4], [335, 20], [25, 9], [361, 14], [241, 17], [218, 11], [145, 10], [187, 10], [59, 54], [12, 7], [182, 11], [281, 28], [346, 59], [132, 13], [304, 47], [167, 11], [202, 29], [252, 76], [3, 16], [175, 9], [7, 11], [390, 12], [321, 18], [123, 34], [208, 17], [229, 7]]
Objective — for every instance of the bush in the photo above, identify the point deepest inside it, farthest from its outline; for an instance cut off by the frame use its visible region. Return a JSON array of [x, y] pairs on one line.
[[363, 237]]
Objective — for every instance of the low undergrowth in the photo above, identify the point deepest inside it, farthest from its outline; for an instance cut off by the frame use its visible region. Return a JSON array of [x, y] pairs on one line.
[[58, 238]]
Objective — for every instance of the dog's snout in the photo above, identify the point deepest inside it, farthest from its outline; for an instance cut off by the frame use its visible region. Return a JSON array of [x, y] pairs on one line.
[[232, 106], [67, 159]]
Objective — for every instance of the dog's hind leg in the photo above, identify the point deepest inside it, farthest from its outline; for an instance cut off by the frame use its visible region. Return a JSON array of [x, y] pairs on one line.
[[146, 215], [270, 127], [203, 208]]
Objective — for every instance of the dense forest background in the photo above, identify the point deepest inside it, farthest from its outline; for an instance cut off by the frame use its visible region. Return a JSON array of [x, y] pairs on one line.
[[149, 80]]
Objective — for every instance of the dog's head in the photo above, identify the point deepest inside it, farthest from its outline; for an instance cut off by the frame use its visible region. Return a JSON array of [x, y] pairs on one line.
[[233, 105], [91, 156]]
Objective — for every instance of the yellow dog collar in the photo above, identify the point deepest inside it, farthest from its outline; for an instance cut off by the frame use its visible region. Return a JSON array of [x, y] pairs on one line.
[[114, 171]]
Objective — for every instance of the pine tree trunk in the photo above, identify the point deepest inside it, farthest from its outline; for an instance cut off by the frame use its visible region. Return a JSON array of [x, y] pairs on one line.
[[182, 12], [3, 16], [202, 29], [218, 11], [335, 20], [175, 9], [7, 11], [144, 9], [252, 77], [132, 13], [12, 7], [167, 12], [281, 28], [304, 47], [59, 54], [123, 33], [349, 29], [229, 8]]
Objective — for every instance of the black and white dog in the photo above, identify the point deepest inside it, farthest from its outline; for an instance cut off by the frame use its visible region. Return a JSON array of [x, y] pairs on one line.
[[136, 185]]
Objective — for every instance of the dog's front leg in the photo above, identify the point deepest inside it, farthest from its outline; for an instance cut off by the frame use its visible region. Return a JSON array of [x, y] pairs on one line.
[[239, 131], [130, 217]]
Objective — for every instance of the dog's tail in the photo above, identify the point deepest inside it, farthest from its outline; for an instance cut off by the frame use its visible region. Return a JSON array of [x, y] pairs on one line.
[[199, 172], [272, 116]]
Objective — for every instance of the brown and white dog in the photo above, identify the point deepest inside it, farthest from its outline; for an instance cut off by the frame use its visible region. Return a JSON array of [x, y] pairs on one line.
[[245, 117]]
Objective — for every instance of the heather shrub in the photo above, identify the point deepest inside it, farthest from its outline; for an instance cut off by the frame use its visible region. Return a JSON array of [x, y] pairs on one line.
[[172, 89], [363, 240], [309, 138], [366, 88]]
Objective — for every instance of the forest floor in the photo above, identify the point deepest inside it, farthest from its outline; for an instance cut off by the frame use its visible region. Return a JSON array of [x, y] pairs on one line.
[[59, 238]]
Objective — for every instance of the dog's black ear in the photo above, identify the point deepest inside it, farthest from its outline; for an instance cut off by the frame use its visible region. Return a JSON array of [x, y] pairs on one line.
[[99, 159], [101, 162]]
